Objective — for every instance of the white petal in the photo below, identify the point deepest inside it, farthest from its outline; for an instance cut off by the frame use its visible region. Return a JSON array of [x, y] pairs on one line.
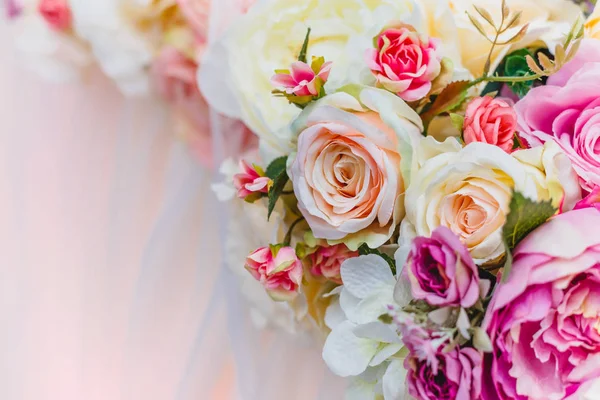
[[385, 353], [348, 302], [371, 308], [365, 275], [345, 354], [402, 292], [394, 382], [377, 331], [334, 314]]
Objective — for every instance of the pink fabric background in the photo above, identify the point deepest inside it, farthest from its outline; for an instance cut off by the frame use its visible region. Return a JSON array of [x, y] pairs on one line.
[[107, 260]]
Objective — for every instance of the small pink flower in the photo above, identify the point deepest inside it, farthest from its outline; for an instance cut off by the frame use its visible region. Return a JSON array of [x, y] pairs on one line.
[[326, 261], [278, 269], [56, 13], [405, 62], [302, 79], [250, 181], [491, 121]]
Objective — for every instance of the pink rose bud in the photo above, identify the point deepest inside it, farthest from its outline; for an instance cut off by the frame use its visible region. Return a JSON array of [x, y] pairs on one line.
[[303, 79], [491, 121], [251, 181], [278, 269], [56, 13], [441, 270], [326, 261], [404, 62], [591, 200]]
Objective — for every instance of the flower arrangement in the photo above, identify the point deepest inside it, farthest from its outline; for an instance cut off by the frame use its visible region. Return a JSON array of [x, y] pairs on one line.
[[434, 203], [152, 47]]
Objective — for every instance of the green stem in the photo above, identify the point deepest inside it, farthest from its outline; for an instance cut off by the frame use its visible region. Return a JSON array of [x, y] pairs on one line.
[[525, 78], [288, 237]]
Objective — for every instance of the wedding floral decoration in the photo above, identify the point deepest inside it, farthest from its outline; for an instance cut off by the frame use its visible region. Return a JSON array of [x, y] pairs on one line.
[[146, 47], [461, 265]]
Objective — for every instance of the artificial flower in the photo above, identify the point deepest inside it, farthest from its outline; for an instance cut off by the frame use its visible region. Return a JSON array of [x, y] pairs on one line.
[[491, 121], [359, 345], [405, 62], [441, 270], [237, 70], [326, 261], [251, 181], [278, 269], [567, 111], [456, 374], [553, 174], [302, 79], [56, 13], [350, 168], [548, 21], [592, 24], [543, 321], [467, 190]]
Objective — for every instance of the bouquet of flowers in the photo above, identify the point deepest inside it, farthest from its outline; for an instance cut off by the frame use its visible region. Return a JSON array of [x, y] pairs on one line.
[[429, 208]]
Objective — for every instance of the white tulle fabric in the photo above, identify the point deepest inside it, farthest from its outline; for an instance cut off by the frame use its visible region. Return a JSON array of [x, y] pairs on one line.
[[109, 273]]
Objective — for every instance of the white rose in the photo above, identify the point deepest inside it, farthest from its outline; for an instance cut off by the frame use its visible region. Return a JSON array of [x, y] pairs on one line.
[[553, 174], [467, 190], [549, 21], [236, 71]]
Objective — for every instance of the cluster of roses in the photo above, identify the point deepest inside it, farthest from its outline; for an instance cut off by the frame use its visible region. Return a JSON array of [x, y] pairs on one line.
[[516, 189]]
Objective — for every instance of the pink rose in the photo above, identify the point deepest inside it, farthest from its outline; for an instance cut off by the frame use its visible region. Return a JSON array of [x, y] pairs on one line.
[[250, 181], [56, 13], [544, 321], [567, 111], [278, 269], [327, 261], [435, 374], [591, 200], [347, 169], [405, 62], [441, 270], [302, 79], [491, 121]]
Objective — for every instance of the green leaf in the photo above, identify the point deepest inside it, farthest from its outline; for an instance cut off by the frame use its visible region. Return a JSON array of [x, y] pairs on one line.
[[365, 250], [524, 217], [304, 50], [458, 121], [448, 100], [276, 167], [276, 189], [516, 65]]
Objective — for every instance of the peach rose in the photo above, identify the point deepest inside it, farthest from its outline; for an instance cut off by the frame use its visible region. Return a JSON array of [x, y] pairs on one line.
[[348, 170], [491, 121]]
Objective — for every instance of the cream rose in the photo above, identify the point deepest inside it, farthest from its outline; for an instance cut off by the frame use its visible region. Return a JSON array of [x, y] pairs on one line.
[[236, 72], [549, 21], [467, 190], [553, 174], [352, 164]]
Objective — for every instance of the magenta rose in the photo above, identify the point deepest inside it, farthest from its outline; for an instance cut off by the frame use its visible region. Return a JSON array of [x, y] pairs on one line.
[[544, 322], [441, 270], [405, 62], [567, 110], [435, 374], [491, 121]]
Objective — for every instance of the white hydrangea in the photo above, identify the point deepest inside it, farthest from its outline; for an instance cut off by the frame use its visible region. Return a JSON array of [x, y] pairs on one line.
[[360, 346]]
